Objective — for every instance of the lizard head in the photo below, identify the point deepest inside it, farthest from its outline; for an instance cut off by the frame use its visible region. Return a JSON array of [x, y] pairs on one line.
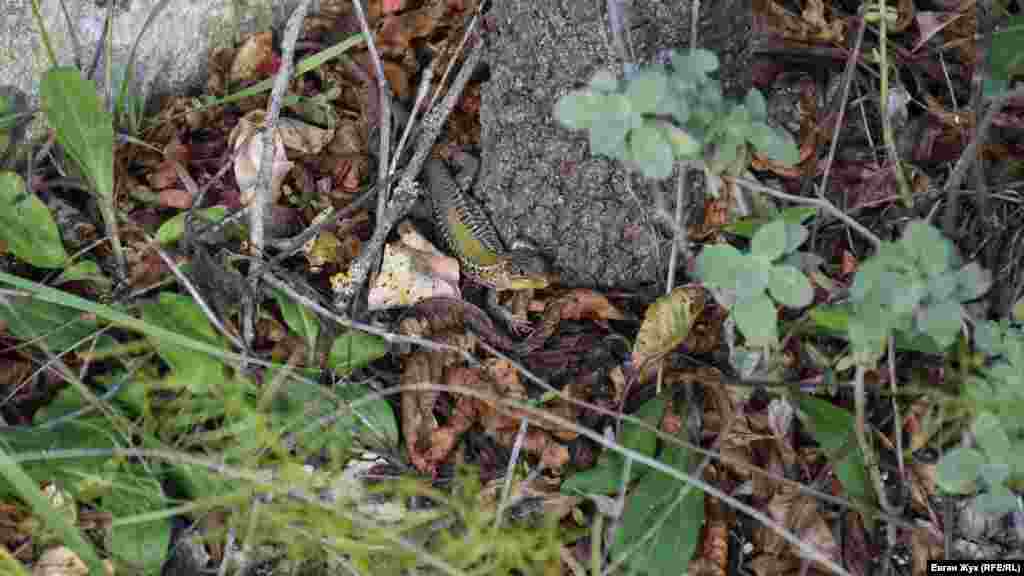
[[526, 269]]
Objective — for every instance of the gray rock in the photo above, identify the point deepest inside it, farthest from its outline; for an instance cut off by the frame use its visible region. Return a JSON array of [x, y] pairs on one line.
[[539, 180], [172, 54]]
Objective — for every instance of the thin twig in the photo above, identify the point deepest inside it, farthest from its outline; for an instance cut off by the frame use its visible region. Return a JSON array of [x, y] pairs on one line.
[[408, 190], [262, 196], [384, 104]]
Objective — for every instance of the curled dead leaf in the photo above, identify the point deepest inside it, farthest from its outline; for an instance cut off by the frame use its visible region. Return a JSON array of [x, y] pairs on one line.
[[253, 60], [667, 323], [248, 146]]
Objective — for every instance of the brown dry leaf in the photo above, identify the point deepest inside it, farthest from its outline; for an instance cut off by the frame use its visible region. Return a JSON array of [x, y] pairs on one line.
[[811, 27], [398, 79], [13, 371], [392, 6], [666, 324], [713, 559], [546, 488], [408, 275], [848, 263], [163, 175], [906, 14], [418, 409], [254, 59], [398, 31], [175, 198], [931, 23], [925, 545], [800, 514], [586, 304], [303, 137], [427, 444], [823, 31], [716, 216], [922, 485], [248, 146]]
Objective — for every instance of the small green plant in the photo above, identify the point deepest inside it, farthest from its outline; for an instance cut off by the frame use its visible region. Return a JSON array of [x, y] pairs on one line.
[[914, 286], [744, 281], [666, 113], [85, 130], [996, 391]]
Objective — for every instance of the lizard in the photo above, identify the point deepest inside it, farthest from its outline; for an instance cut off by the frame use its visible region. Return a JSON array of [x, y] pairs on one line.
[[474, 241]]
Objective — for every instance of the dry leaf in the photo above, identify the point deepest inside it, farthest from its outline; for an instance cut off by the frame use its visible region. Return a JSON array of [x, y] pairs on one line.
[[254, 59], [667, 323], [303, 137], [248, 145]]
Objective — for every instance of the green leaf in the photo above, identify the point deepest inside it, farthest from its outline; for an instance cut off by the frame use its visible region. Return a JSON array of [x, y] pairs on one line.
[[756, 320], [651, 151], [790, 287], [746, 227], [83, 126], [301, 320], [757, 105], [655, 500], [769, 242], [641, 439], [59, 327], [941, 322], [1007, 63], [995, 473], [992, 438], [931, 252], [834, 320], [674, 105], [578, 109], [777, 145], [717, 265], [84, 270], [973, 281], [751, 278], [333, 419], [180, 314], [943, 286], [354, 349], [695, 64], [616, 120], [27, 226], [903, 295], [796, 234], [141, 543], [998, 500], [647, 89], [832, 428], [174, 228], [683, 144], [375, 418], [29, 492], [958, 470], [606, 476]]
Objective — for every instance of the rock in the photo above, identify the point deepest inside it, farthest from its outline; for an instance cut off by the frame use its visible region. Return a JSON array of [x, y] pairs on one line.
[[538, 179], [171, 56]]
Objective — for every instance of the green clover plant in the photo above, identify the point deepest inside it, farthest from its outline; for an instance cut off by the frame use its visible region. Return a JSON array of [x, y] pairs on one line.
[[914, 286], [997, 392], [742, 282], [666, 113]]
